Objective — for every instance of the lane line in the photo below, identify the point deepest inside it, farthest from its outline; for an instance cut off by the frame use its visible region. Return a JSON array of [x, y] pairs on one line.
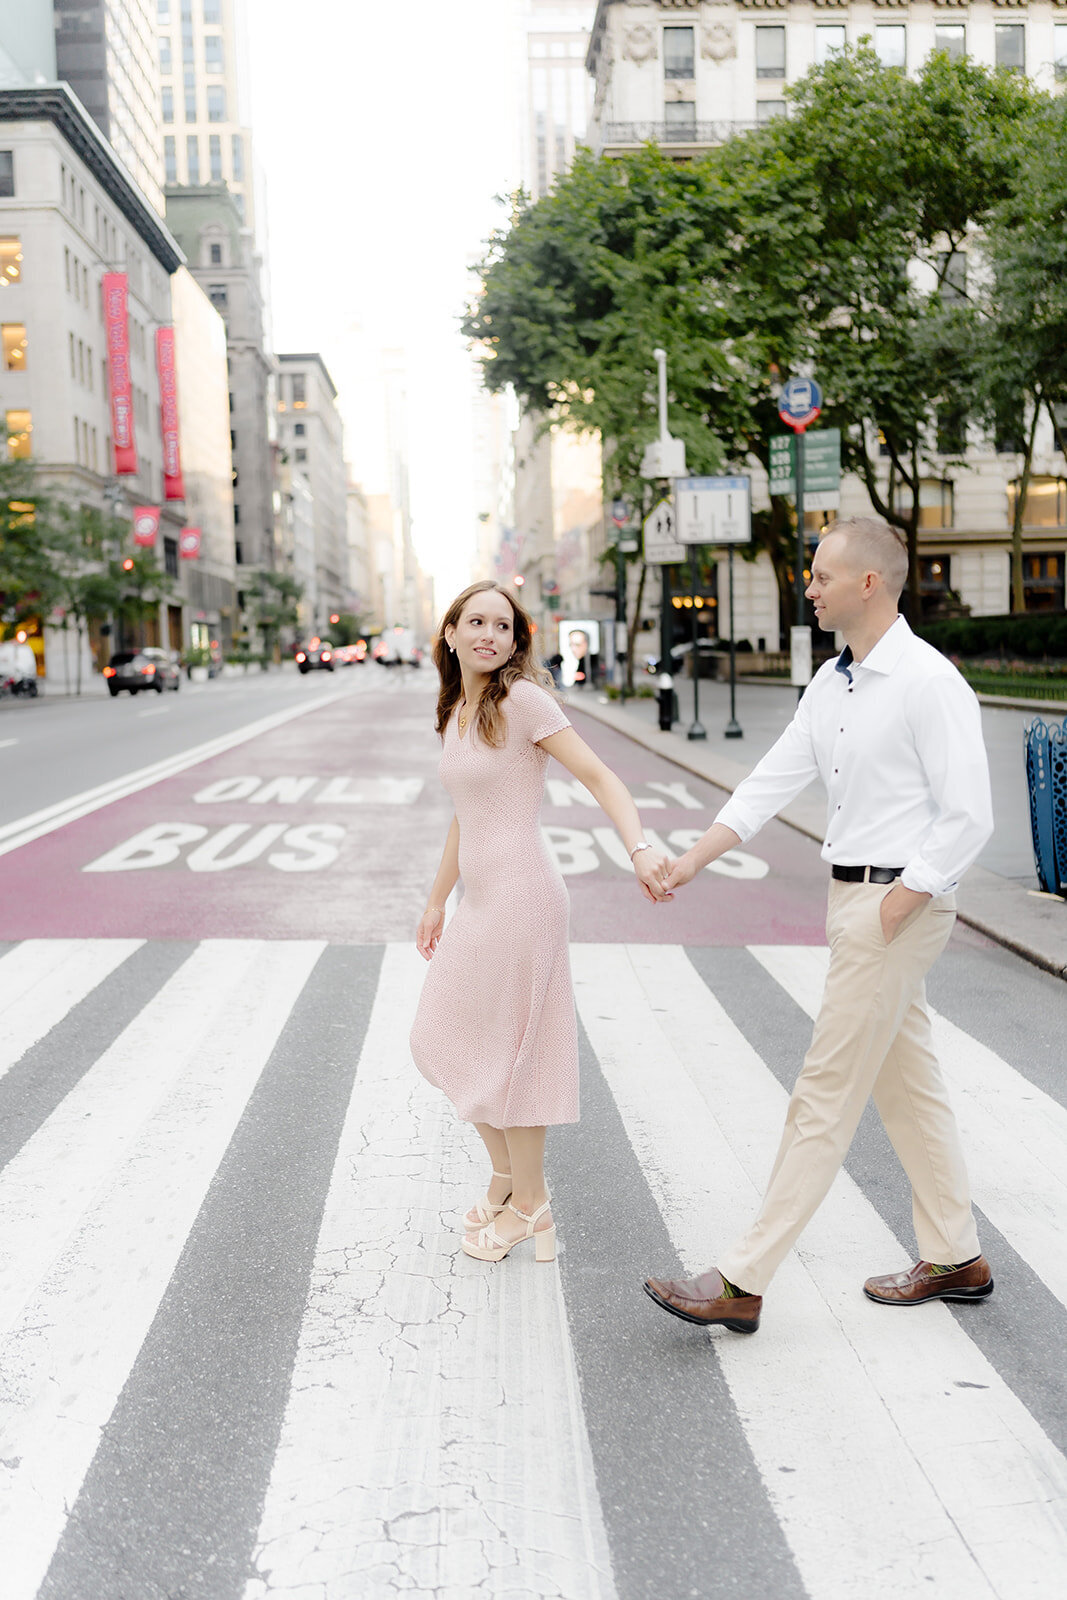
[[68, 1358], [434, 1438], [885, 1472], [26, 829], [4, 743], [42, 979], [1007, 1125]]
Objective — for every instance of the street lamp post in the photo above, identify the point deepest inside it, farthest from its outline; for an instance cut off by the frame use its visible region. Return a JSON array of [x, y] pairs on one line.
[[696, 728]]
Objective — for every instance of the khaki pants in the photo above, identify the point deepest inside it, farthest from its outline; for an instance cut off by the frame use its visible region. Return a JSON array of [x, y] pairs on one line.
[[872, 1035]]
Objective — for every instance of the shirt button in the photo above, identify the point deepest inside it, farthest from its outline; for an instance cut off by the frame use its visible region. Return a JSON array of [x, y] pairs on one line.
[[836, 771]]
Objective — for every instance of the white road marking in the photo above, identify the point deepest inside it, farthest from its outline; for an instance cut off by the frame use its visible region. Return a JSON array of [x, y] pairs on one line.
[[137, 1150], [4, 743], [894, 1473], [42, 979], [33, 826], [1006, 1123], [154, 711], [434, 1436]]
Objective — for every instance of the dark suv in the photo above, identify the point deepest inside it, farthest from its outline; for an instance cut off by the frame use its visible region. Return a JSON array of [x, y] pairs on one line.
[[142, 669]]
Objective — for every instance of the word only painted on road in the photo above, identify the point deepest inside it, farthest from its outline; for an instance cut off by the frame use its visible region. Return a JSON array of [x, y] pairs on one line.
[[291, 791], [312, 847]]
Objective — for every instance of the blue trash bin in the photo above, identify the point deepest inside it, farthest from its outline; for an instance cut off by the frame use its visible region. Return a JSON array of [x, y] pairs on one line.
[[1045, 744]]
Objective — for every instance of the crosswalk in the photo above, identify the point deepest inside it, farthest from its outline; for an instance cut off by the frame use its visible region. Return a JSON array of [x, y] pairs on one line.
[[241, 1356]]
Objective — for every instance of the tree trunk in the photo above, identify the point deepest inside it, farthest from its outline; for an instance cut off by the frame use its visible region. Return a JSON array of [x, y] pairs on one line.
[[1018, 590], [633, 628]]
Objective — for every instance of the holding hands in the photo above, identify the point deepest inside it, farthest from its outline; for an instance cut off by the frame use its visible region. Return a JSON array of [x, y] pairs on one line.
[[653, 873]]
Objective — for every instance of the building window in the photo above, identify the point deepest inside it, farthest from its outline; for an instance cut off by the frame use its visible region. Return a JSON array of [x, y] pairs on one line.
[[170, 556], [770, 52], [170, 158], [190, 102], [239, 205], [192, 157], [237, 158], [829, 41], [214, 145], [301, 455], [935, 502], [767, 110], [951, 37], [212, 10], [166, 62], [213, 52], [13, 335], [216, 103], [11, 261], [1059, 50], [1011, 46], [216, 293], [299, 429], [1043, 581], [215, 260], [934, 576], [891, 44], [300, 397], [680, 117], [679, 53], [163, 11], [1046, 503], [951, 430], [952, 276], [1008, 430], [19, 432], [7, 174], [168, 104]]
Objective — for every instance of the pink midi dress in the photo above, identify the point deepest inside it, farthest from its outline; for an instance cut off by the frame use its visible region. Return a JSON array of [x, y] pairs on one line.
[[495, 1027]]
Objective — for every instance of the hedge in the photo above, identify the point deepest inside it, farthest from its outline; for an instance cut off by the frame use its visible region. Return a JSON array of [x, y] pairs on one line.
[[1032, 636]]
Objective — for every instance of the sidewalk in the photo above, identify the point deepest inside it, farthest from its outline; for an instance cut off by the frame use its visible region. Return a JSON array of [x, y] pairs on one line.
[[999, 895]]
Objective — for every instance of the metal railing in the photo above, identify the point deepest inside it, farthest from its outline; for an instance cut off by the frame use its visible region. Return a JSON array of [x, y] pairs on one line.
[[614, 134]]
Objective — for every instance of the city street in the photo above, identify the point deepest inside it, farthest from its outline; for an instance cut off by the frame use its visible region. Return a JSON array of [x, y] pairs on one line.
[[241, 1355]]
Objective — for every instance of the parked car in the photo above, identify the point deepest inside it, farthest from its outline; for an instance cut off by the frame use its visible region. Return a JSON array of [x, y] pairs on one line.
[[18, 669], [316, 656], [143, 669]]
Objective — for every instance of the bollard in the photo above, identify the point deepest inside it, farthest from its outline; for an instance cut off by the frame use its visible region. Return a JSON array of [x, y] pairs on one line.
[[667, 712], [1045, 746]]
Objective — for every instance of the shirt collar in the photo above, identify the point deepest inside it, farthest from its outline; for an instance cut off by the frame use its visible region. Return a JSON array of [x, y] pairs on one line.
[[884, 656]]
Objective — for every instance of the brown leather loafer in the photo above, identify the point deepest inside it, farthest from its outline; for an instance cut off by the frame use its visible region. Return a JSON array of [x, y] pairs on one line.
[[920, 1282], [701, 1300]]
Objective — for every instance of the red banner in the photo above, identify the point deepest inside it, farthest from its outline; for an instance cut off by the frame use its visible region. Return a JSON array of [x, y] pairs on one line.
[[117, 334], [145, 525], [189, 544], [173, 487]]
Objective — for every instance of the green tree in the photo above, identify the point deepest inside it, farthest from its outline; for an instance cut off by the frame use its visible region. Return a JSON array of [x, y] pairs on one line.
[[275, 605], [1021, 353], [27, 538]]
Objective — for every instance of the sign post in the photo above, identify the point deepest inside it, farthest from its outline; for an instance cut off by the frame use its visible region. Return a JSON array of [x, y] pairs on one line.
[[799, 403], [663, 550], [714, 511]]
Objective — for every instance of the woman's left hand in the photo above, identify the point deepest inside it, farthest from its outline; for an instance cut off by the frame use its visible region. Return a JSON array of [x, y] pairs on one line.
[[652, 872]]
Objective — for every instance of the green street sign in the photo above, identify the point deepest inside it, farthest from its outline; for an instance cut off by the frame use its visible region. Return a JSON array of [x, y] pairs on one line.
[[822, 466], [781, 473]]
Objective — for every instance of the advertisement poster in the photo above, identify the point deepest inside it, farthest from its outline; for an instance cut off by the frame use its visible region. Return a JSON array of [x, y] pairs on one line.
[[173, 487], [120, 383], [145, 525], [579, 643]]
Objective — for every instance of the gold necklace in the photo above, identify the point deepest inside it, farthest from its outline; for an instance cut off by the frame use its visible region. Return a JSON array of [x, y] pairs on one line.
[[463, 717]]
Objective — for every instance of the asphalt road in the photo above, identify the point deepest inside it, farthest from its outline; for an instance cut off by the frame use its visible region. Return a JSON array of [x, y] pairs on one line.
[[240, 1356]]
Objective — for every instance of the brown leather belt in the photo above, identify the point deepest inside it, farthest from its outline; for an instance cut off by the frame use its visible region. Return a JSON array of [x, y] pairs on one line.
[[866, 874]]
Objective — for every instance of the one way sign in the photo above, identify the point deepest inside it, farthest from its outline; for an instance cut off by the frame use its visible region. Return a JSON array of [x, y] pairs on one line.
[[661, 542]]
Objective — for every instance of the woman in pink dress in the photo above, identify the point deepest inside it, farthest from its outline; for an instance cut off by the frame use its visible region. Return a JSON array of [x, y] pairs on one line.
[[495, 1027]]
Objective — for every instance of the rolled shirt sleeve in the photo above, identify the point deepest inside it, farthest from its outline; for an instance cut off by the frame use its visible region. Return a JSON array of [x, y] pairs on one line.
[[947, 724], [787, 769]]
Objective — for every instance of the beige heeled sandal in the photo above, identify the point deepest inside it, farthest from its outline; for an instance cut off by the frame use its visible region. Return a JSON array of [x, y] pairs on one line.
[[489, 1246], [485, 1210]]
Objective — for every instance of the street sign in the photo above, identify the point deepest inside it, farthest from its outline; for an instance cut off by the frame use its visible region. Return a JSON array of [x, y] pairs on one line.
[[661, 544], [713, 510], [799, 403], [822, 468], [781, 475], [620, 512]]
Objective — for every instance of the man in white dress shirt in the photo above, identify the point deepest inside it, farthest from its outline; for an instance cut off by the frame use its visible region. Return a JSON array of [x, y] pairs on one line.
[[895, 734]]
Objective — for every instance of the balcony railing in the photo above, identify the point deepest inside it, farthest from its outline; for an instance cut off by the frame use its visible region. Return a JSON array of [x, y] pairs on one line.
[[614, 135]]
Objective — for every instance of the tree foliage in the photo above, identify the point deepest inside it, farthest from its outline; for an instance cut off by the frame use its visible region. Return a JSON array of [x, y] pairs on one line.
[[818, 242]]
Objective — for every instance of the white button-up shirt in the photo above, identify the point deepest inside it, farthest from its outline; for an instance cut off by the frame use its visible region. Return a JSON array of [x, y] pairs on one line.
[[897, 741]]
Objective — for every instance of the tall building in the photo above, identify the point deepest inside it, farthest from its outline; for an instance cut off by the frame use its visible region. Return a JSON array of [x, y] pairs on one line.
[[558, 96], [202, 75], [311, 436], [689, 74]]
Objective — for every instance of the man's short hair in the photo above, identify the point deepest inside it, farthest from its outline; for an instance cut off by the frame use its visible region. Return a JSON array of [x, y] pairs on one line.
[[876, 547]]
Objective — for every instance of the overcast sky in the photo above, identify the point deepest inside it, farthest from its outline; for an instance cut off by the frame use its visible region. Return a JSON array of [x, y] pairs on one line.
[[384, 131]]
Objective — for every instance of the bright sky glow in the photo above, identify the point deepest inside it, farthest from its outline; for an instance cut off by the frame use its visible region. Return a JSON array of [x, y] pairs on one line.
[[385, 131]]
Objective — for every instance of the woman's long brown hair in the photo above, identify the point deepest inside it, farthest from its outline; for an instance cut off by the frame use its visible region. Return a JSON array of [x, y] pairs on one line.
[[488, 717]]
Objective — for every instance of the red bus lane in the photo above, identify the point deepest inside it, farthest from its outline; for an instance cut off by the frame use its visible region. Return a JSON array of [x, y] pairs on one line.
[[331, 827]]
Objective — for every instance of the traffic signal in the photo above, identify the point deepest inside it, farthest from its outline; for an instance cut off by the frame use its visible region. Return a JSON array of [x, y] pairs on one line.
[[334, 617], [127, 565]]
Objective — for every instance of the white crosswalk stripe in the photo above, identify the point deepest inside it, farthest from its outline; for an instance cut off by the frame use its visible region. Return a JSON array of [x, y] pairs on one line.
[[434, 1438]]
